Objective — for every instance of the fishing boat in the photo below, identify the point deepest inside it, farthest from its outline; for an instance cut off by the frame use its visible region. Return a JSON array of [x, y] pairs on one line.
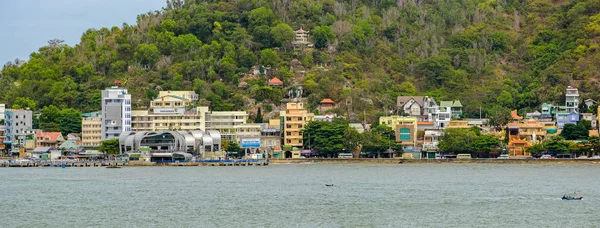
[[113, 166], [572, 197]]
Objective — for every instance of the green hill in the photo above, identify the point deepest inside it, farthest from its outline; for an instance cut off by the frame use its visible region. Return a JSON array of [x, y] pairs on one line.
[[494, 54]]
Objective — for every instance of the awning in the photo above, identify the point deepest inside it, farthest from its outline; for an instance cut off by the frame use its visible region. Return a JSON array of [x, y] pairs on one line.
[[42, 150]]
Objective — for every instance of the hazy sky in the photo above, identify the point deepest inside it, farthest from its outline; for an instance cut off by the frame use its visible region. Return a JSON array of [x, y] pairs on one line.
[[26, 25]]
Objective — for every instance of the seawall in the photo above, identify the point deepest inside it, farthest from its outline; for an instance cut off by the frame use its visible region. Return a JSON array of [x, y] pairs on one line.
[[430, 161]]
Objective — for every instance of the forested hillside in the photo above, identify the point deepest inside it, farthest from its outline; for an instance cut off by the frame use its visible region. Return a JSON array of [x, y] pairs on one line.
[[494, 54]]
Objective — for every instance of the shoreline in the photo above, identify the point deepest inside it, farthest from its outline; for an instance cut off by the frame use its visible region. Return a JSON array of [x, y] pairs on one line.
[[331, 161], [430, 161]]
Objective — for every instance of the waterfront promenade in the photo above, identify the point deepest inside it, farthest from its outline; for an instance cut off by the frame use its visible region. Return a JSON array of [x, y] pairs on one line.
[[259, 162], [431, 161], [69, 163]]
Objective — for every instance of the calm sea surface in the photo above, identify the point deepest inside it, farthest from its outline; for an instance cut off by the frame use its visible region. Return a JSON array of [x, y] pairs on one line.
[[407, 195]]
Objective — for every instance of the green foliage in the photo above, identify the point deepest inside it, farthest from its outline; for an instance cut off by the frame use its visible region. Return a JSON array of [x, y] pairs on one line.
[[24, 103], [485, 143], [457, 141], [65, 121], [147, 54], [110, 146], [323, 36], [499, 116], [259, 117], [556, 144], [575, 132], [231, 146], [268, 57], [497, 54], [283, 34], [536, 148], [327, 137]]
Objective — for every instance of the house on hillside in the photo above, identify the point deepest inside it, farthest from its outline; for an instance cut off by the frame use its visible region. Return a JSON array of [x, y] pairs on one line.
[[589, 102], [533, 115], [592, 118], [548, 110], [49, 139], [275, 82], [301, 39], [455, 107], [326, 105], [563, 118]]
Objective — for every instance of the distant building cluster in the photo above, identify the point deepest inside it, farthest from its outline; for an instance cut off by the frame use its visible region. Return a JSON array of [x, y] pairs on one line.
[[173, 125]]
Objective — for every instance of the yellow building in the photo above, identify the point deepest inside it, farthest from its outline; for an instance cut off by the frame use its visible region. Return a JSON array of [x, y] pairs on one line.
[[392, 121], [405, 129], [172, 110], [458, 124], [225, 122], [294, 118], [91, 131]]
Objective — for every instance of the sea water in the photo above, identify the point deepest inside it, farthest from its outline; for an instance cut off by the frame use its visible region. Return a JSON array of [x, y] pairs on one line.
[[401, 195]]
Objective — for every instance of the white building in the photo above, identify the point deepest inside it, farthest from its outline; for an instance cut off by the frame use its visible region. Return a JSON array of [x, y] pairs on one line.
[[116, 112], [2, 110], [225, 122], [572, 100]]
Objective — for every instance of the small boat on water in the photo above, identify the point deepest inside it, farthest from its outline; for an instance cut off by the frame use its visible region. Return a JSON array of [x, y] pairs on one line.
[[329, 185], [113, 167], [572, 197]]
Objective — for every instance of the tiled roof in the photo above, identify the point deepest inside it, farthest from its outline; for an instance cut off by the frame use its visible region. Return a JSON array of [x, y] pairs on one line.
[[446, 103], [275, 81], [401, 100], [424, 123], [456, 104], [52, 135], [327, 101], [514, 115]]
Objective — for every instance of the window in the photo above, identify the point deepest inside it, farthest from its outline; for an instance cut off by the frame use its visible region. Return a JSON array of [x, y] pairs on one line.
[[299, 125], [404, 133], [288, 126], [289, 119], [289, 133]]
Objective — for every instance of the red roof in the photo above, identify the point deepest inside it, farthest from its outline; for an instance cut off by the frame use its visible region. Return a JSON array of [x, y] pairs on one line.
[[52, 135], [327, 101], [275, 81], [515, 115], [424, 123]]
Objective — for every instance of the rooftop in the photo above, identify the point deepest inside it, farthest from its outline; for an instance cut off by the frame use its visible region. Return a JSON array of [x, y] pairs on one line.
[[54, 136], [275, 81], [327, 101]]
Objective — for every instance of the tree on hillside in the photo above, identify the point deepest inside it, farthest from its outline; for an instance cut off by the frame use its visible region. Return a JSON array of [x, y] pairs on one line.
[[268, 57], [575, 132], [323, 36], [499, 116], [65, 121], [283, 35], [259, 117], [24, 103]]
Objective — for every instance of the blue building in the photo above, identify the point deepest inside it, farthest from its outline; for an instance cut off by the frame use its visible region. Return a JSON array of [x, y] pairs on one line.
[[563, 118]]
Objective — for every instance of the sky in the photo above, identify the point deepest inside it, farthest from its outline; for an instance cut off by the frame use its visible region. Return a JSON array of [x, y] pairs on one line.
[[27, 25]]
